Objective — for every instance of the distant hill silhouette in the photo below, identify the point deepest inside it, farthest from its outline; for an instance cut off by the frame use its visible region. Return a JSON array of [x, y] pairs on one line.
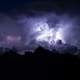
[[28, 53], [58, 51], [42, 55], [41, 51]]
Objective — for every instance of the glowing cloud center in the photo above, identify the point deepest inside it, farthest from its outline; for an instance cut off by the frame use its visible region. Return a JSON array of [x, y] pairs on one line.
[[45, 33], [59, 35]]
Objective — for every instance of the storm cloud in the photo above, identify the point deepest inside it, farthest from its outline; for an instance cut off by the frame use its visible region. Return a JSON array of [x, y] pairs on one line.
[[20, 30]]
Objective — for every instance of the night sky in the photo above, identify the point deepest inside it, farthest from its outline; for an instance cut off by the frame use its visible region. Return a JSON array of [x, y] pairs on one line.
[[60, 6], [18, 20]]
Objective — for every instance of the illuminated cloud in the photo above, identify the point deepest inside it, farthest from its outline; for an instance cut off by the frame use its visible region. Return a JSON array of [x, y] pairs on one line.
[[30, 31], [47, 34], [44, 32], [59, 35]]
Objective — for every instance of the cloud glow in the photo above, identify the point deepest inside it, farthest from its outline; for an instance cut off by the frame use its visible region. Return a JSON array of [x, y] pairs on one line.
[[48, 34]]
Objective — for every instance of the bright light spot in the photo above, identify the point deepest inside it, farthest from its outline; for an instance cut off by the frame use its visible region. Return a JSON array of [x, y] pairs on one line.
[[47, 34], [59, 35]]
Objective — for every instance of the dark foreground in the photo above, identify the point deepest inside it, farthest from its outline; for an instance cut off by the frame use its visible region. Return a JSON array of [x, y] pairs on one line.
[[40, 65], [42, 55]]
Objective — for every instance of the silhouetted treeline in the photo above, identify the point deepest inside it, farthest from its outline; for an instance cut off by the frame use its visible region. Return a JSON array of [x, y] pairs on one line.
[[45, 55], [40, 51]]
